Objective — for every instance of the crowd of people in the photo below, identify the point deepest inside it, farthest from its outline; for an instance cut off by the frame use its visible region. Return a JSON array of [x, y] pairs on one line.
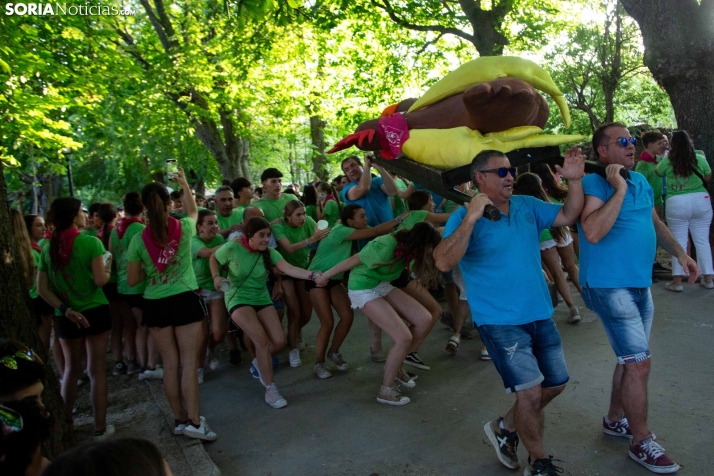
[[171, 274]]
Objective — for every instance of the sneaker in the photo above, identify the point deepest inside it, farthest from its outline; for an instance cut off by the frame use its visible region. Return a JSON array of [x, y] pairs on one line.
[[391, 396], [200, 376], [275, 362], [133, 367], [651, 455], [273, 397], [484, 353], [255, 372], [201, 432], [505, 442], [404, 378], [152, 374], [674, 287], [377, 355], [574, 315], [707, 284], [119, 369], [542, 466], [106, 434], [453, 345], [213, 362], [179, 426], [234, 357], [447, 319], [616, 428], [413, 376], [339, 362], [414, 360], [321, 371], [295, 358]]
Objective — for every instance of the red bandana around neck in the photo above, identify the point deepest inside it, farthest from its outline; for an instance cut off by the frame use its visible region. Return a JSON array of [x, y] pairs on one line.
[[36, 247], [247, 246], [646, 157], [66, 242], [328, 198], [100, 233], [124, 225], [159, 255], [400, 253]]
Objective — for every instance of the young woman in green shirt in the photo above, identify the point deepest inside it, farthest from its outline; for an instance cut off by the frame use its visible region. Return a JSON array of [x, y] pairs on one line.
[[173, 309], [309, 199], [250, 261], [72, 272], [382, 261], [328, 208], [333, 249], [295, 236]]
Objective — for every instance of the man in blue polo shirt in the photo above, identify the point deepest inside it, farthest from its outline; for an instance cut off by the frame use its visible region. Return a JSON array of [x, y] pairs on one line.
[[372, 194], [501, 267], [621, 230]]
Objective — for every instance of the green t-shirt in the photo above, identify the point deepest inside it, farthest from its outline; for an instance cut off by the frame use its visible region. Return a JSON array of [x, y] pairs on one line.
[[450, 206], [36, 257], [201, 266], [74, 284], [178, 276], [400, 205], [374, 269], [234, 218], [677, 185], [90, 231], [648, 170], [120, 252], [311, 211], [247, 274], [273, 209], [332, 213], [414, 217], [333, 249], [295, 235]]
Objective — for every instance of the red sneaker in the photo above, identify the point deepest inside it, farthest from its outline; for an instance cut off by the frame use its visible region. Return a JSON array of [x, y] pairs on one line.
[[651, 455], [617, 428]]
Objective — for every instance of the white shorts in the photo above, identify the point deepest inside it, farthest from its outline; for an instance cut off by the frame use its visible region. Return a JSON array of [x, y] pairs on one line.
[[209, 295], [548, 244], [362, 297], [459, 281]]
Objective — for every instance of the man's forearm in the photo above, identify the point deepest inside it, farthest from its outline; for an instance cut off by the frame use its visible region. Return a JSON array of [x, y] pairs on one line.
[[575, 201], [666, 240], [449, 252], [600, 222], [390, 188]]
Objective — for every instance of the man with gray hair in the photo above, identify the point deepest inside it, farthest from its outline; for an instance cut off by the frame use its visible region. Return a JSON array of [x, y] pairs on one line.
[[514, 320], [229, 219]]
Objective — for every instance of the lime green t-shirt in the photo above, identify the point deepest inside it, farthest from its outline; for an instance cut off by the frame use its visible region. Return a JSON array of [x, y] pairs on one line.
[[90, 231], [648, 170], [234, 218], [414, 217], [332, 213], [122, 263], [333, 249], [374, 269], [36, 258], [74, 284], [677, 185], [295, 235], [311, 211], [400, 205], [247, 273], [273, 209], [178, 276], [201, 266]]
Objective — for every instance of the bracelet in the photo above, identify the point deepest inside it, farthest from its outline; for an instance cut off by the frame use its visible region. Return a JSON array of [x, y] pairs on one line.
[[312, 276], [399, 219], [216, 275]]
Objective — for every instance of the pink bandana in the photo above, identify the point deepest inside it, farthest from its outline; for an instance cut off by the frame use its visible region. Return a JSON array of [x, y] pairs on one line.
[[100, 233], [246, 245], [393, 132], [36, 247], [66, 242], [159, 255], [400, 253], [124, 224], [646, 157]]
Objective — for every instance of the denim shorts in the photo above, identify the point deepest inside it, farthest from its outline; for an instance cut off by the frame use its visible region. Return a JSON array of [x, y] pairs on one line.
[[626, 314], [277, 303], [526, 355]]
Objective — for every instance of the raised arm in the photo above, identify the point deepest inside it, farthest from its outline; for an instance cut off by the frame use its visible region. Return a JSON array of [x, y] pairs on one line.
[[450, 250], [189, 202], [598, 217], [388, 186], [365, 182], [573, 170]]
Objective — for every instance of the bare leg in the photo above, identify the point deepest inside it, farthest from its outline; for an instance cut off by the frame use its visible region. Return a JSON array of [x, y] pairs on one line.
[[321, 300], [188, 339], [219, 322], [421, 295], [375, 334], [57, 352], [266, 334], [460, 315], [385, 317], [633, 396], [292, 302], [567, 256], [45, 330], [616, 410], [117, 331], [205, 338], [142, 335], [341, 302], [130, 328], [305, 303], [96, 367], [550, 258], [72, 350], [166, 343], [451, 292]]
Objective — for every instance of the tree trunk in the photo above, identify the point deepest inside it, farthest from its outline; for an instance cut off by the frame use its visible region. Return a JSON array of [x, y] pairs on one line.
[[18, 322], [319, 160], [231, 155]]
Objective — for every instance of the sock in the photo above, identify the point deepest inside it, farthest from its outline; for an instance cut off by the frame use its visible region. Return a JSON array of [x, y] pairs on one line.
[[195, 425]]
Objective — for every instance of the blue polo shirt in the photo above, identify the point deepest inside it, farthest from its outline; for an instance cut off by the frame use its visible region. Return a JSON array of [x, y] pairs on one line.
[[376, 203], [501, 267], [622, 258]]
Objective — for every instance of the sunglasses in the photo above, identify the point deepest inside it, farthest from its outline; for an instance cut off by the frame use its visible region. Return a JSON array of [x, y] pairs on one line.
[[10, 361], [502, 171], [10, 419], [623, 141]]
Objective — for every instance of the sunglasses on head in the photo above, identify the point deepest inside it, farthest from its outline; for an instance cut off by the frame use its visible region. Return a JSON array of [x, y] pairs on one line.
[[623, 141], [10, 361], [501, 171]]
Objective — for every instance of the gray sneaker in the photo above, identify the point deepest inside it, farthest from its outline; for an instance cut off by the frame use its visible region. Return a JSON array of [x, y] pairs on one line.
[[339, 362], [391, 396], [405, 379], [504, 442], [321, 371], [273, 397]]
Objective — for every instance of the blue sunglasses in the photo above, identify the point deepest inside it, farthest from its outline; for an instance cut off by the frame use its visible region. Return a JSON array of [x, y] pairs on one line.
[[502, 171], [623, 141]]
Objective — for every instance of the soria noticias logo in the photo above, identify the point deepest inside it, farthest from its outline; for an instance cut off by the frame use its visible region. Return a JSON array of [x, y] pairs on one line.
[[51, 9]]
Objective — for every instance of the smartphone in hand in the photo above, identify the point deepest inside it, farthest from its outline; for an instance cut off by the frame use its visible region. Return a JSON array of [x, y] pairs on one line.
[[172, 170]]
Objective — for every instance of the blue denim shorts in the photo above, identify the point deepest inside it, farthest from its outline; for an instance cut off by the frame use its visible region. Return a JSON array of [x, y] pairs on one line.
[[526, 355], [626, 314], [277, 303]]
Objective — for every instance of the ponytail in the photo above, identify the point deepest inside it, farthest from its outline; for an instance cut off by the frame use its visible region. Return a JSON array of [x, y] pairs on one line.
[[107, 213], [154, 196], [62, 213]]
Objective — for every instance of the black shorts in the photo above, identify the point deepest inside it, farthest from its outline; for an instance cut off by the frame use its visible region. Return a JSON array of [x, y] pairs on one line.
[[177, 310], [111, 292], [256, 307], [134, 300], [41, 308], [99, 319], [330, 284], [402, 280]]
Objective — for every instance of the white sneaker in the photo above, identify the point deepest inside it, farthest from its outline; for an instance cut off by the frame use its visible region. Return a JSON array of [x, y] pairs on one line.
[[202, 432], [108, 432], [339, 362], [178, 429], [405, 379], [156, 374], [484, 353], [273, 397], [200, 376], [214, 363], [574, 315], [321, 371], [295, 358]]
